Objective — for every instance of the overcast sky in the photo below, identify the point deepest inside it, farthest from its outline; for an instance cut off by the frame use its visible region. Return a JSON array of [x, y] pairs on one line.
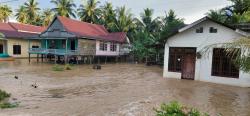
[[190, 10]]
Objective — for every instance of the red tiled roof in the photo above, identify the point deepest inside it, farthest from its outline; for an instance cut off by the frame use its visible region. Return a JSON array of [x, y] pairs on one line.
[[88, 30], [16, 30], [27, 28]]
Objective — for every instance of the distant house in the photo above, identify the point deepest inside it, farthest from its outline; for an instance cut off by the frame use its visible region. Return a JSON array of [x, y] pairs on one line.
[[13, 39], [182, 59], [66, 37]]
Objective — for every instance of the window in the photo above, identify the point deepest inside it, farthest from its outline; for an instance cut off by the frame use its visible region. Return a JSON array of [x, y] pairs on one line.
[[212, 30], [17, 49], [103, 46], [200, 30], [176, 55], [222, 64], [35, 46], [113, 47]]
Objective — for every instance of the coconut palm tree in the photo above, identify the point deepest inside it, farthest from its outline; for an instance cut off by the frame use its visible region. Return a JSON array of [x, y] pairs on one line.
[[240, 6], [21, 14], [5, 12], [89, 12], [64, 8], [47, 17], [31, 8], [217, 15], [124, 21], [108, 15], [150, 24]]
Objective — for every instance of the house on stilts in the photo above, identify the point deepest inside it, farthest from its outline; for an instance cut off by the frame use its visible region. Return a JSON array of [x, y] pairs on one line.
[[67, 40]]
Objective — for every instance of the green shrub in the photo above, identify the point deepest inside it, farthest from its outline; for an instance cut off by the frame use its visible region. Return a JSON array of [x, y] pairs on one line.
[[176, 109], [57, 67], [3, 95], [68, 67], [8, 105]]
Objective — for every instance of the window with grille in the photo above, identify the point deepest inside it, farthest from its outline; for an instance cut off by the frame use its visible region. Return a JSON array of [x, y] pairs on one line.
[[223, 64], [113, 47], [103, 46], [17, 49]]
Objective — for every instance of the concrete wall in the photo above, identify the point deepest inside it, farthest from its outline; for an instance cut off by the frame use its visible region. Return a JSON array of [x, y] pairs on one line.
[[203, 67], [24, 46], [108, 52]]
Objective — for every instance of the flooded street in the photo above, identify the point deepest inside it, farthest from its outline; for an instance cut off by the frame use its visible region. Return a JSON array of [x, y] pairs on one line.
[[116, 90]]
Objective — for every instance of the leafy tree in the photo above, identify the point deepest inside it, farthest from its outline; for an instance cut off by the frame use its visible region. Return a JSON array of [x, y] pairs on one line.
[[64, 8], [89, 12], [142, 45], [31, 7], [47, 17], [21, 14], [5, 12]]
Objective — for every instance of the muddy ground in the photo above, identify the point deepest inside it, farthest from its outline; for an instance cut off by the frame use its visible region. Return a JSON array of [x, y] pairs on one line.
[[116, 90]]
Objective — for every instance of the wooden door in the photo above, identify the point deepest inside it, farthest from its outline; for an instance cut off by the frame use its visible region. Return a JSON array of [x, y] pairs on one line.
[[188, 67], [1, 48]]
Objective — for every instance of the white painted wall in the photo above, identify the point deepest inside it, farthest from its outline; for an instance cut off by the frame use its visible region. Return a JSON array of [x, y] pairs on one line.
[[203, 67], [108, 52]]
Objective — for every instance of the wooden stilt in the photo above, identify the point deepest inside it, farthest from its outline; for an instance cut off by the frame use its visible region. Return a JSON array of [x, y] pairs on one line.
[[55, 59], [37, 60], [106, 59], [42, 57], [29, 58]]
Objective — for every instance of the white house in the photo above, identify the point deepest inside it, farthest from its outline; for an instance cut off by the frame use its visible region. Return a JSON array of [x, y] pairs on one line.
[[182, 59]]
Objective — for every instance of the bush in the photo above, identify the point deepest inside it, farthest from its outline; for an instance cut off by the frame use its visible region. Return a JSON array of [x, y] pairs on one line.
[[176, 109], [8, 105], [3, 95], [68, 67], [57, 68]]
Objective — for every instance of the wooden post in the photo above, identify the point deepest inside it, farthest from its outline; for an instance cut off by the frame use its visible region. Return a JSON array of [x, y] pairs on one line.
[[55, 58], [106, 59], [29, 57], [42, 57], [37, 60]]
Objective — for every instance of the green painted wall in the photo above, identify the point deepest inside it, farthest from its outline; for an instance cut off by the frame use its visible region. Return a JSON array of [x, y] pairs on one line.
[[59, 44]]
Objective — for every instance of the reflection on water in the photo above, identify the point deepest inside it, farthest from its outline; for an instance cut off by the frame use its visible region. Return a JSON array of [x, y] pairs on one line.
[[117, 89]]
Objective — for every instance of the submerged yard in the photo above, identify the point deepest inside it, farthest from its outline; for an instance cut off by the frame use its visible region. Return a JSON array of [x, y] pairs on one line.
[[116, 90]]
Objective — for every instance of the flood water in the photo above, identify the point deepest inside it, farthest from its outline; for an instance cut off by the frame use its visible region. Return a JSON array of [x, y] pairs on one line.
[[116, 90]]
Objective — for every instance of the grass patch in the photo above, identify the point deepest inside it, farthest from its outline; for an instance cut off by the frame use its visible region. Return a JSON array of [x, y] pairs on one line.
[[8, 105], [57, 67], [3, 95], [4, 104], [174, 108]]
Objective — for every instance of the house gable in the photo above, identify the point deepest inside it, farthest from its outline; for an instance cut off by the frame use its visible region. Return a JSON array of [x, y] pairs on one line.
[[56, 30], [188, 37]]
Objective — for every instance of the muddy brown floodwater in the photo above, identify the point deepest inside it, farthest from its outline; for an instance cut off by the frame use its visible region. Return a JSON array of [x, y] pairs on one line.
[[116, 90]]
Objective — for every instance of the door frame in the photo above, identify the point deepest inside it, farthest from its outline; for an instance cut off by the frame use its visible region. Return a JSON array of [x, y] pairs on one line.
[[193, 54]]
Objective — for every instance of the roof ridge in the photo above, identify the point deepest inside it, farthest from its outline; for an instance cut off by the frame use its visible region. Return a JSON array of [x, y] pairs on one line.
[[26, 24], [80, 21]]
